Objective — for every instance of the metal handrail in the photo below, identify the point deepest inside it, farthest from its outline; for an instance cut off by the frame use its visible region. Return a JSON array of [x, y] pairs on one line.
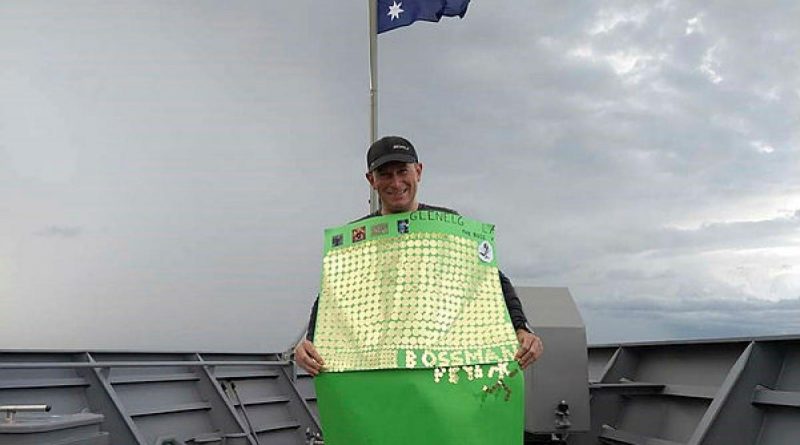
[[10, 410], [142, 364]]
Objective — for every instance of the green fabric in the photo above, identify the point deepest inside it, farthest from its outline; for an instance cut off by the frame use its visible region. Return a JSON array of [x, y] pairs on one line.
[[405, 407], [423, 221], [416, 338], [412, 290]]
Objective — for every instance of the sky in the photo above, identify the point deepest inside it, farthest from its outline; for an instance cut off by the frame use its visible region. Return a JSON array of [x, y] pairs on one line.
[[167, 168]]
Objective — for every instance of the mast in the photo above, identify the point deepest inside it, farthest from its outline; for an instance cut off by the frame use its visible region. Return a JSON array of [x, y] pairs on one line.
[[374, 200]]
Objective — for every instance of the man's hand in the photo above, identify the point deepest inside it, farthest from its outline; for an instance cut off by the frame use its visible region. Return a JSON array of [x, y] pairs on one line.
[[530, 348], [306, 355]]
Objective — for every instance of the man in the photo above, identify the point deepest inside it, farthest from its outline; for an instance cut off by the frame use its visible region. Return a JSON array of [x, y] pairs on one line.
[[394, 171]]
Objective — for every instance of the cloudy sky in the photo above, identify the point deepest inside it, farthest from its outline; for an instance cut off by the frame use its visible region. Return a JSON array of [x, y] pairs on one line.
[[167, 168]]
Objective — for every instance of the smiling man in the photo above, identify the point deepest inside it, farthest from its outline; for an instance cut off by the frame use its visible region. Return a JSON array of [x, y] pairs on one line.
[[394, 171]]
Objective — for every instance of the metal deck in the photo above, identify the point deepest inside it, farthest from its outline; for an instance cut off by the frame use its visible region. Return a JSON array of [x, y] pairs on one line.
[[715, 392], [704, 392], [160, 398], [710, 392]]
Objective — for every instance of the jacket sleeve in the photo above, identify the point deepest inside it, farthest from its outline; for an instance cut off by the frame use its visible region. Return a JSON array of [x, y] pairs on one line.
[[513, 304], [312, 320]]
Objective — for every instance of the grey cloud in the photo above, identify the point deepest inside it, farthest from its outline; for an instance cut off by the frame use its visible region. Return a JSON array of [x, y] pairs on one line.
[[700, 317], [615, 275], [61, 231], [711, 305], [710, 236], [607, 244]]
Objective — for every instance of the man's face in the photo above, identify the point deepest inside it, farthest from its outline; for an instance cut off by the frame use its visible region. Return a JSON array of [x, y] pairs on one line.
[[396, 184]]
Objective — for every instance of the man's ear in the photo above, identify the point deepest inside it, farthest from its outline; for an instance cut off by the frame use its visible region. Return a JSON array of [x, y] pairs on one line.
[[418, 167], [370, 178]]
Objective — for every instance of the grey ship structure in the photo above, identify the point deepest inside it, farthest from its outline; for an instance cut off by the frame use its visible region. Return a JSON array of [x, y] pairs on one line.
[[705, 392]]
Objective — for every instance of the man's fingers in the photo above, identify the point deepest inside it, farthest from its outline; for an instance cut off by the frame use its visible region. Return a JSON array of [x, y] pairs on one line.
[[311, 363], [525, 344], [538, 348], [308, 358], [527, 358], [310, 370], [533, 354], [311, 367], [312, 351], [530, 348]]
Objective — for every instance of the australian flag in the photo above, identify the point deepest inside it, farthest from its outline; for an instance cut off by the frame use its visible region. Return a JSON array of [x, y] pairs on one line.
[[396, 13]]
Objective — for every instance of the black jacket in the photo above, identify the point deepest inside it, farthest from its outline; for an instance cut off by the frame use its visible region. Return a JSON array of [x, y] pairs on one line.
[[513, 304]]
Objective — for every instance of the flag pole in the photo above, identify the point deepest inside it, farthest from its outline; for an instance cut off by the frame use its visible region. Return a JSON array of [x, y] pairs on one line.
[[374, 200]]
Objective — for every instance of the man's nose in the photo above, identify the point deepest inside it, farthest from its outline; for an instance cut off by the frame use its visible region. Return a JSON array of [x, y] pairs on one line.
[[397, 181]]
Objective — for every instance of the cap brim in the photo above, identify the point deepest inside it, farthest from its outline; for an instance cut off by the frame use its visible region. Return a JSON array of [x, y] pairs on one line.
[[395, 157]]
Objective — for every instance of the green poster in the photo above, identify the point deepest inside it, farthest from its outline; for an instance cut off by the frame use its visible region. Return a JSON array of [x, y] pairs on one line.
[[417, 341]]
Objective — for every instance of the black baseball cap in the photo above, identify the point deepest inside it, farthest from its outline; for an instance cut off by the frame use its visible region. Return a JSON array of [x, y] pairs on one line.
[[390, 149]]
